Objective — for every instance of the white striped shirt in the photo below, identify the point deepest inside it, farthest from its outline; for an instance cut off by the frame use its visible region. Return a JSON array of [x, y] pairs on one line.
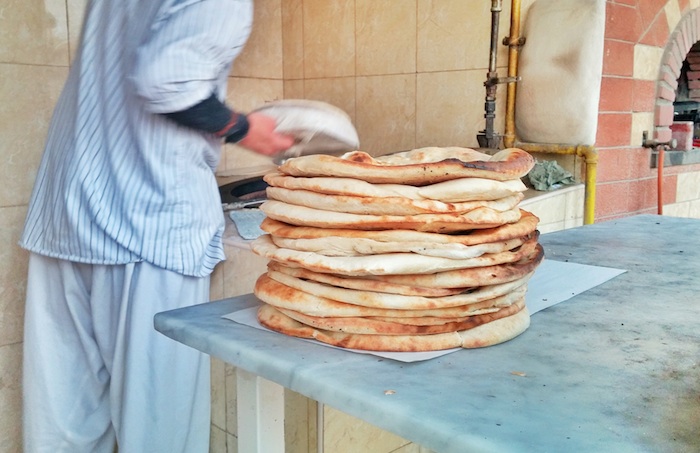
[[119, 182]]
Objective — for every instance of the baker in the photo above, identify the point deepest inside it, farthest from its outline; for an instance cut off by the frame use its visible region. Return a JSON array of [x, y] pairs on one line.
[[125, 221]]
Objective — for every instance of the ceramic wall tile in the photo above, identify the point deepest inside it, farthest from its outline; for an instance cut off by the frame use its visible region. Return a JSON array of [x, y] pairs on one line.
[[262, 54], [231, 443], [386, 113], [293, 39], [11, 398], [641, 122], [681, 209], [339, 92], [329, 38], [412, 448], [245, 94], [27, 96], [345, 433], [647, 60], [456, 35], [445, 113], [13, 275], [294, 89], [217, 440], [76, 13], [688, 188], [34, 32], [298, 417], [694, 209], [385, 36], [231, 401], [218, 393], [241, 269]]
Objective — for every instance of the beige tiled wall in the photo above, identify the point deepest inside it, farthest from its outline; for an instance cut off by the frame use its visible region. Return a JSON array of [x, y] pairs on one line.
[[36, 38]]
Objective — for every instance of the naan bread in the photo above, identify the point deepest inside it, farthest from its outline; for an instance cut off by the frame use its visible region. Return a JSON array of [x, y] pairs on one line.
[[339, 246], [386, 264], [385, 326], [456, 190], [397, 301], [532, 256], [363, 283], [283, 296], [434, 223], [395, 206], [490, 333], [526, 225], [417, 168]]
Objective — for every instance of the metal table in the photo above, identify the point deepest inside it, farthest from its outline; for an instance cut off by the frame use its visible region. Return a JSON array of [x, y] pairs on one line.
[[616, 368]]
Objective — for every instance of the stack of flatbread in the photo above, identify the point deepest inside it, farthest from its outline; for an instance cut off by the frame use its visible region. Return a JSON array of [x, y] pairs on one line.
[[415, 251]]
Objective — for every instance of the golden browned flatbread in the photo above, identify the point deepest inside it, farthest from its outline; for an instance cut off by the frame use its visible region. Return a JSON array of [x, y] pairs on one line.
[[524, 226], [398, 301], [385, 326], [456, 190], [435, 223], [368, 283], [385, 264], [490, 333], [395, 206], [532, 256], [418, 167], [283, 296]]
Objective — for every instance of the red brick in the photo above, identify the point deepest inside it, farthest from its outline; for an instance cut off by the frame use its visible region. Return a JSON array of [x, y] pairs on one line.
[[613, 165], [616, 94], [639, 163], [665, 92], [642, 194], [684, 5], [622, 22], [611, 199], [613, 129], [618, 58], [694, 84], [682, 133], [644, 95], [669, 77], [663, 134], [693, 75], [657, 33], [664, 114], [649, 10]]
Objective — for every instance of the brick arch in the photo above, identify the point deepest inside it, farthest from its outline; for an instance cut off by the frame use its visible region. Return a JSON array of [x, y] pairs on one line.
[[680, 41]]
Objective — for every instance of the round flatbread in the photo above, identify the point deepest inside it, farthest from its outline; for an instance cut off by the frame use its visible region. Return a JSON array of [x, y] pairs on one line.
[[339, 246], [367, 284], [282, 296], [385, 326], [526, 225], [386, 264], [490, 333], [456, 190], [434, 223], [395, 206], [417, 168], [533, 254]]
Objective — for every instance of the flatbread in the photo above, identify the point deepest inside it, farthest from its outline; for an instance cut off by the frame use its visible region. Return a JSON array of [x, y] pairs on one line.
[[526, 225], [367, 284], [532, 256], [385, 264], [427, 285], [395, 206], [398, 301], [435, 223], [283, 296], [417, 167], [339, 246], [456, 190], [387, 327], [491, 333]]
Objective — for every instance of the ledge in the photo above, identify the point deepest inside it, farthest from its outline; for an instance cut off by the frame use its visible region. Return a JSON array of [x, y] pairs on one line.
[[675, 158]]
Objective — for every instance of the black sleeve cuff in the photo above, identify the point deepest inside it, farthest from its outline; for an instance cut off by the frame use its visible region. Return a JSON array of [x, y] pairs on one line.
[[211, 115]]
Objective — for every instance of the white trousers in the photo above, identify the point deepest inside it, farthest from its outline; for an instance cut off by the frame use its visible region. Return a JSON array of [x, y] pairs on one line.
[[95, 369]]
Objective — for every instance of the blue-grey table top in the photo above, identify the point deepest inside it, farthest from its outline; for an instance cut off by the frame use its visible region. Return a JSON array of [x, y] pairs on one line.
[[616, 368]]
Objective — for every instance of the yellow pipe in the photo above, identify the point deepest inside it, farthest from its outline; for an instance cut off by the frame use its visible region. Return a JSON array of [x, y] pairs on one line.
[[513, 42], [590, 155]]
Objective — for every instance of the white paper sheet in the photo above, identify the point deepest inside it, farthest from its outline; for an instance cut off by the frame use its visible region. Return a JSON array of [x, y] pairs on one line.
[[553, 282]]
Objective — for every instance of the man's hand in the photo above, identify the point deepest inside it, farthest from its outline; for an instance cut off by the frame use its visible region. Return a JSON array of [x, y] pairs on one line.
[[262, 138]]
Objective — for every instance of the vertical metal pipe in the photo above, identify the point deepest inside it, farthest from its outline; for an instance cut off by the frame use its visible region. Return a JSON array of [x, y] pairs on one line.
[[514, 42], [490, 139]]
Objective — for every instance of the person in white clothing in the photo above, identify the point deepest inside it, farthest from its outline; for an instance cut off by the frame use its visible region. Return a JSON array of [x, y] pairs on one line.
[[125, 221]]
